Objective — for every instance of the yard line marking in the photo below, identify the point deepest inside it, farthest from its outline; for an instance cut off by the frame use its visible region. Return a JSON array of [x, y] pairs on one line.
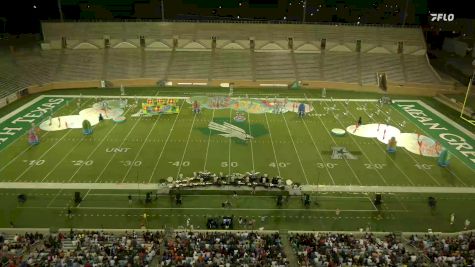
[[186, 146], [141, 147], [361, 196], [94, 150], [251, 141], [114, 154], [62, 159], [372, 203], [236, 96], [84, 198], [207, 147], [214, 208], [42, 155], [295, 148], [409, 153], [425, 132], [272, 142], [402, 204], [379, 146], [29, 147], [451, 122], [318, 150], [165, 144], [334, 142], [51, 202], [361, 149]]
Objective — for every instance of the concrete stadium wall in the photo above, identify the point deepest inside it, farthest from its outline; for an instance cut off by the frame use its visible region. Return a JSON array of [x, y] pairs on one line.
[[62, 85], [25, 230], [394, 89]]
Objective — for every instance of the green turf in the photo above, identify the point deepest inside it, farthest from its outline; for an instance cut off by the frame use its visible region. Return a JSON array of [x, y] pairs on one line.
[[111, 209], [170, 145], [284, 145]]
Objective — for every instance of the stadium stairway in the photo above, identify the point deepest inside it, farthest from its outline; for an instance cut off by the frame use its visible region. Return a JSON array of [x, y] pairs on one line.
[[289, 252], [68, 245], [155, 261], [404, 68], [253, 65], [294, 66]]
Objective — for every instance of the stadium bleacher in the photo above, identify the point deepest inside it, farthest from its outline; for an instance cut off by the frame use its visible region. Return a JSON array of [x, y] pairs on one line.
[[193, 58], [232, 65], [339, 249], [449, 250], [235, 248], [373, 249], [99, 248]]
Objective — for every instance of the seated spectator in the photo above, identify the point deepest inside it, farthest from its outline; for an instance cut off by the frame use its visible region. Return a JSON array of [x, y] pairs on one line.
[[344, 249], [456, 250], [224, 249]]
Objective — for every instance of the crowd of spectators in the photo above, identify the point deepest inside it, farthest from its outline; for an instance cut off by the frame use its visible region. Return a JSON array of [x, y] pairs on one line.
[[333, 249], [98, 248], [224, 249], [86, 249], [457, 250], [19, 242], [14, 246]]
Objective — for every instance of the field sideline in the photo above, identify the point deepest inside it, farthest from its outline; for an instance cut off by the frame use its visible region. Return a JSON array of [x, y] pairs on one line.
[[110, 209]]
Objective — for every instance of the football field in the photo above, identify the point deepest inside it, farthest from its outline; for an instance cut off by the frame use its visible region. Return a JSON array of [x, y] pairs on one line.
[[172, 146], [144, 153]]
